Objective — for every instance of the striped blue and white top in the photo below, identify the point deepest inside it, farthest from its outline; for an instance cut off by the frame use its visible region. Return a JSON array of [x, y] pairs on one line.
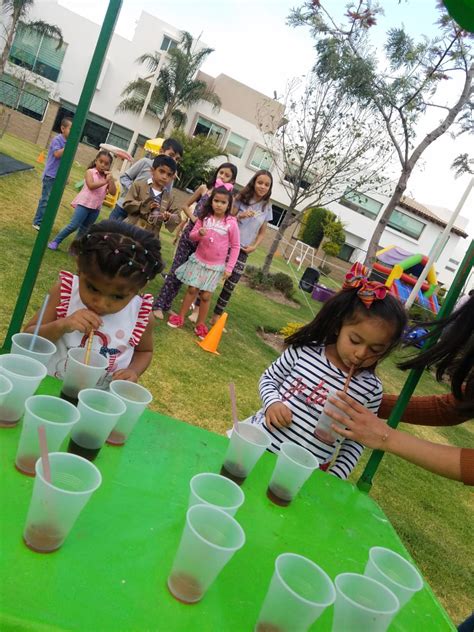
[[300, 378]]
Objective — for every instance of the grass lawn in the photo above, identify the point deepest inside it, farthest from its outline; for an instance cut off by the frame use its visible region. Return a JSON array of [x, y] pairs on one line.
[[433, 516]]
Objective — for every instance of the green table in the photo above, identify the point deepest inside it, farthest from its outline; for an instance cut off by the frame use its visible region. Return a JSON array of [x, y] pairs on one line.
[[111, 572]]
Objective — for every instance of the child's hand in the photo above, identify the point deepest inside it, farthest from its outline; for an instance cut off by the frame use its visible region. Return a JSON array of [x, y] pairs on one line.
[[166, 215], [278, 415], [248, 249], [125, 374], [226, 275], [108, 176], [155, 205], [245, 214], [83, 320], [203, 232]]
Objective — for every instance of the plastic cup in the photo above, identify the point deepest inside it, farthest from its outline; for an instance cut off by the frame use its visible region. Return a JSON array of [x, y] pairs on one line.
[[56, 415], [362, 604], [100, 411], [5, 387], [245, 448], [293, 467], [299, 593], [395, 572], [136, 398], [79, 375], [216, 490], [55, 506], [43, 349], [210, 538], [324, 431], [25, 374]]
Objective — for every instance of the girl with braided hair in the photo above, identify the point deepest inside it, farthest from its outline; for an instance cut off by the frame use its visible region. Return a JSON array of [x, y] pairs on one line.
[[114, 262]]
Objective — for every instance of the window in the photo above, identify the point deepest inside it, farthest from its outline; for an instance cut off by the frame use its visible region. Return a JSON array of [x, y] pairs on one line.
[[346, 252], [236, 145], [450, 269], [168, 43], [38, 53], [278, 215], [456, 263], [209, 129], [119, 136], [406, 224], [304, 180], [28, 99], [361, 203], [261, 159]]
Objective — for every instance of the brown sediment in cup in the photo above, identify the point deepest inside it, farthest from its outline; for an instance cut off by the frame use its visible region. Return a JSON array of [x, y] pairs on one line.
[[26, 464], [279, 495], [185, 588], [264, 626], [234, 471], [116, 438], [43, 538]]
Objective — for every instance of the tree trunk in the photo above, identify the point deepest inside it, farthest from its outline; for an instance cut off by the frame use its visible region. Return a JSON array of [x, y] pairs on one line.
[[287, 221], [9, 39]]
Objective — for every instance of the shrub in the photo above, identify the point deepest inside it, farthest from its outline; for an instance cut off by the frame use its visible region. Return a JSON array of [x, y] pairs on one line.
[[284, 284], [312, 229], [418, 314], [290, 328]]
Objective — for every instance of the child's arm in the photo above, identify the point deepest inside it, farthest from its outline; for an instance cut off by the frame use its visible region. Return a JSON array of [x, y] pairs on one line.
[[53, 328], [111, 186], [197, 231], [132, 203], [234, 243], [258, 240], [91, 184], [128, 177], [172, 216], [141, 358], [276, 412]]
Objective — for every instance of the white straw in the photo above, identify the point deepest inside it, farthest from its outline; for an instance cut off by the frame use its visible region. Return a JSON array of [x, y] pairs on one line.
[[40, 320]]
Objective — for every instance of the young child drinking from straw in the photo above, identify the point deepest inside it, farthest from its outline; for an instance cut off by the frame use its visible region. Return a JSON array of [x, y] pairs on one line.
[[114, 263], [338, 350]]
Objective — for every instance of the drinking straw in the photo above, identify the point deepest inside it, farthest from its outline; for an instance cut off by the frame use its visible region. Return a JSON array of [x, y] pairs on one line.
[[89, 347], [40, 320], [44, 453], [348, 378], [233, 404]]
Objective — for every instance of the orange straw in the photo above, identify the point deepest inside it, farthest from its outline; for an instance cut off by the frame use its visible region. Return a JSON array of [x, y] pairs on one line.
[[233, 403], [44, 453], [89, 347], [348, 378]]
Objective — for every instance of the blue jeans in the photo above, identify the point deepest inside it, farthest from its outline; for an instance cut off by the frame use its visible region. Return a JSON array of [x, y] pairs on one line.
[[118, 214], [45, 193], [82, 218]]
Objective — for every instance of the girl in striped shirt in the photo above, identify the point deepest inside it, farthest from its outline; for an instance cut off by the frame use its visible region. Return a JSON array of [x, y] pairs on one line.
[[354, 330], [114, 262]]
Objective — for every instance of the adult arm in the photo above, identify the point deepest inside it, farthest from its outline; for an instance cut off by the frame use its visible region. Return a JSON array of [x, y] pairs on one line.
[[141, 358], [366, 428], [429, 410]]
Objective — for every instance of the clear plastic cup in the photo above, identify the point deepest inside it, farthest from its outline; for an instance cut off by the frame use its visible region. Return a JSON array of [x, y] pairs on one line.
[[293, 467], [136, 398], [362, 604], [55, 506], [79, 375], [43, 349], [25, 374], [323, 430], [57, 417], [210, 538], [100, 411], [299, 593], [395, 572], [245, 448], [6, 387], [213, 489]]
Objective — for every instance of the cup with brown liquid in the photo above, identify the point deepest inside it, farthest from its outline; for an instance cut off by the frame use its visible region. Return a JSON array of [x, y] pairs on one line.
[[294, 466], [136, 398], [245, 448], [79, 374]]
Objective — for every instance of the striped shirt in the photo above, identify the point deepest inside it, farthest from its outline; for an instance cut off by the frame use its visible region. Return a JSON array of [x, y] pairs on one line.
[[301, 378]]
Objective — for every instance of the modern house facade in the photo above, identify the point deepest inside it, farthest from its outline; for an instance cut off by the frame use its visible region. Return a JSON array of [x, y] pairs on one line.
[[43, 82]]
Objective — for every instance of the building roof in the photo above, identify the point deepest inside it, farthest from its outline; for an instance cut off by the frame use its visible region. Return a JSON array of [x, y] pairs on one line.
[[422, 211]]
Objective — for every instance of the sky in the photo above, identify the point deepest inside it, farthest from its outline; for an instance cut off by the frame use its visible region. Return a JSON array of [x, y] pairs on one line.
[[253, 44]]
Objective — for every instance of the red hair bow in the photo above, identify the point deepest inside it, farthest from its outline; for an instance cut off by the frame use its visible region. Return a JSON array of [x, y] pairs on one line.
[[369, 291]]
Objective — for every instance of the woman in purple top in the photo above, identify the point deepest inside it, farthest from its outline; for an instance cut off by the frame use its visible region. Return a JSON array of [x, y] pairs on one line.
[[55, 152]]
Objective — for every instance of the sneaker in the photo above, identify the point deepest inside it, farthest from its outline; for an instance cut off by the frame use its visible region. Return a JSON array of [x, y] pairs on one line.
[[53, 245], [36, 226], [193, 317], [175, 321], [158, 313], [201, 331]]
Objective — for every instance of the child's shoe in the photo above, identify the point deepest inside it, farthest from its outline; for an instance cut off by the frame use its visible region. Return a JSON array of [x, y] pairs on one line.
[[201, 331], [194, 316], [175, 321], [158, 313], [53, 245]]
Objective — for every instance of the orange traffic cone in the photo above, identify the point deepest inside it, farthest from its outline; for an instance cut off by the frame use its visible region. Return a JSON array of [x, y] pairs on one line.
[[211, 341], [40, 157]]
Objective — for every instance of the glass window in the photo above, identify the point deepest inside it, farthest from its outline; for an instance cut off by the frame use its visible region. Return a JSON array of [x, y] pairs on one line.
[[38, 53], [361, 203], [346, 252], [278, 215], [204, 127], [29, 100], [455, 261], [236, 145], [305, 180], [406, 224], [261, 159], [119, 136], [168, 43]]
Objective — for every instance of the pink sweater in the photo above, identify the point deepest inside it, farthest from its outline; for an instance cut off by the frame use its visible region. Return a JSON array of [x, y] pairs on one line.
[[214, 246]]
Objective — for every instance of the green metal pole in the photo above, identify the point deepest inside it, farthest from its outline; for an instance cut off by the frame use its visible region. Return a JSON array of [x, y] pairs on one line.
[[365, 481], [65, 165]]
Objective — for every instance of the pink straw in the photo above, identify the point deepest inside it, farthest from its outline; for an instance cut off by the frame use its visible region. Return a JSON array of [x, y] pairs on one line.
[[44, 453], [233, 403]]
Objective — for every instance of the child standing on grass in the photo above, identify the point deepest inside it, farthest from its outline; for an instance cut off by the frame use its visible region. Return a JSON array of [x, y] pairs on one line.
[[225, 175], [215, 232], [88, 202], [354, 330], [55, 152], [114, 263]]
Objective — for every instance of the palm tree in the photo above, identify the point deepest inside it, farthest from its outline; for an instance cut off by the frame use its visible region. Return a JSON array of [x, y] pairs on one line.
[[176, 88], [16, 12]]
